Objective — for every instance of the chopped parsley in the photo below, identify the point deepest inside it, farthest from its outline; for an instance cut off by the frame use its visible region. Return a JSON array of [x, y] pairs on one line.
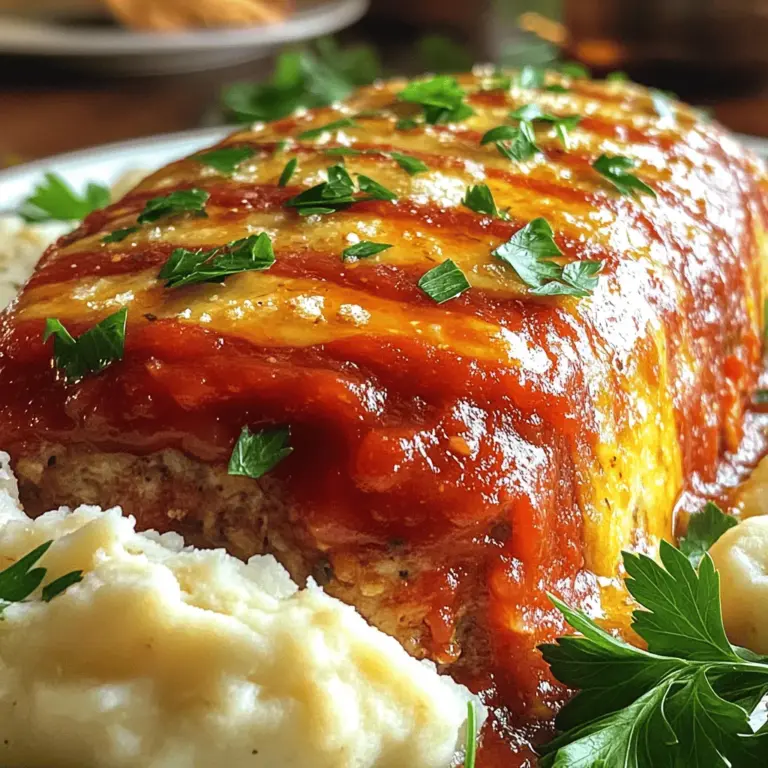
[[556, 88], [513, 142], [530, 251], [256, 453], [330, 196], [443, 282], [374, 189], [704, 529], [479, 199], [91, 352], [181, 201], [530, 113], [761, 396], [54, 200], [119, 235], [288, 171], [20, 580], [685, 701], [441, 98], [616, 170], [411, 165], [314, 76], [226, 159], [406, 124], [363, 250], [185, 267], [313, 133], [574, 69], [337, 193], [617, 77]]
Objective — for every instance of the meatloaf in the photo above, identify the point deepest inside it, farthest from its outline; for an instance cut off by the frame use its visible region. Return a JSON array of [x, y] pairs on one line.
[[464, 441]]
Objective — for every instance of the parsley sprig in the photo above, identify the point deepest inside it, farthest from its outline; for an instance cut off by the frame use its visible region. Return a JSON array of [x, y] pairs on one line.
[[363, 250], [615, 168], [20, 580], [185, 267], [685, 701], [411, 165], [256, 453], [54, 200], [441, 98], [92, 351], [530, 252]]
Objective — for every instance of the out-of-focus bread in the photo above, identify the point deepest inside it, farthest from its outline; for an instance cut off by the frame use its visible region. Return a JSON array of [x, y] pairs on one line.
[[171, 15]]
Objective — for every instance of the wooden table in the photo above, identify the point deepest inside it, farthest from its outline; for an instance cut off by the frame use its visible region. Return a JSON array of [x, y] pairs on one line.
[[44, 113]]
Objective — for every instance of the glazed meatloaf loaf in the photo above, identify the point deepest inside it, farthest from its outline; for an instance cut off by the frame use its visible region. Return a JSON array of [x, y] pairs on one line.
[[445, 347]]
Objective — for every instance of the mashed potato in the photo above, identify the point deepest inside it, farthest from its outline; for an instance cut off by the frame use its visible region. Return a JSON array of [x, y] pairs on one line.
[[166, 656]]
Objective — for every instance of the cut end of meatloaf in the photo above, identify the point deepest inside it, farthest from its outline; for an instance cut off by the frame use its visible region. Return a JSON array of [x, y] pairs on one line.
[[167, 491]]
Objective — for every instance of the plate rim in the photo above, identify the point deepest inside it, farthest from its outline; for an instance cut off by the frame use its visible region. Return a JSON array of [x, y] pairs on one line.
[[323, 17]]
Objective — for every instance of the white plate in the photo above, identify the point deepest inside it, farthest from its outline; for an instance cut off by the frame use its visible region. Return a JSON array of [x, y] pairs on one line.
[[108, 162], [113, 50]]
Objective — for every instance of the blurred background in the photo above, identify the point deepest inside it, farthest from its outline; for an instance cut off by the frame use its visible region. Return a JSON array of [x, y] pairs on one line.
[[75, 73]]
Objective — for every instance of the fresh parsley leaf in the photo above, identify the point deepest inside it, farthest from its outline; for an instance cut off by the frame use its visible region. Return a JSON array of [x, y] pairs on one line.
[[574, 69], [680, 703], [479, 199], [529, 252], [119, 235], [531, 77], [616, 170], [406, 124], [315, 76], [288, 171], [761, 396], [470, 747], [617, 77], [443, 282], [186, 267], [20, 580], [363, 250], [226, 159], [374, 189], [704, 529], [313, 133], [556, 88], [54, 200], [411, 165], [181, 201], [513, 142], [256, 453], [532, 112], [441, 97], [92, 351], [336, 194], [663, 105], [57, 586]]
